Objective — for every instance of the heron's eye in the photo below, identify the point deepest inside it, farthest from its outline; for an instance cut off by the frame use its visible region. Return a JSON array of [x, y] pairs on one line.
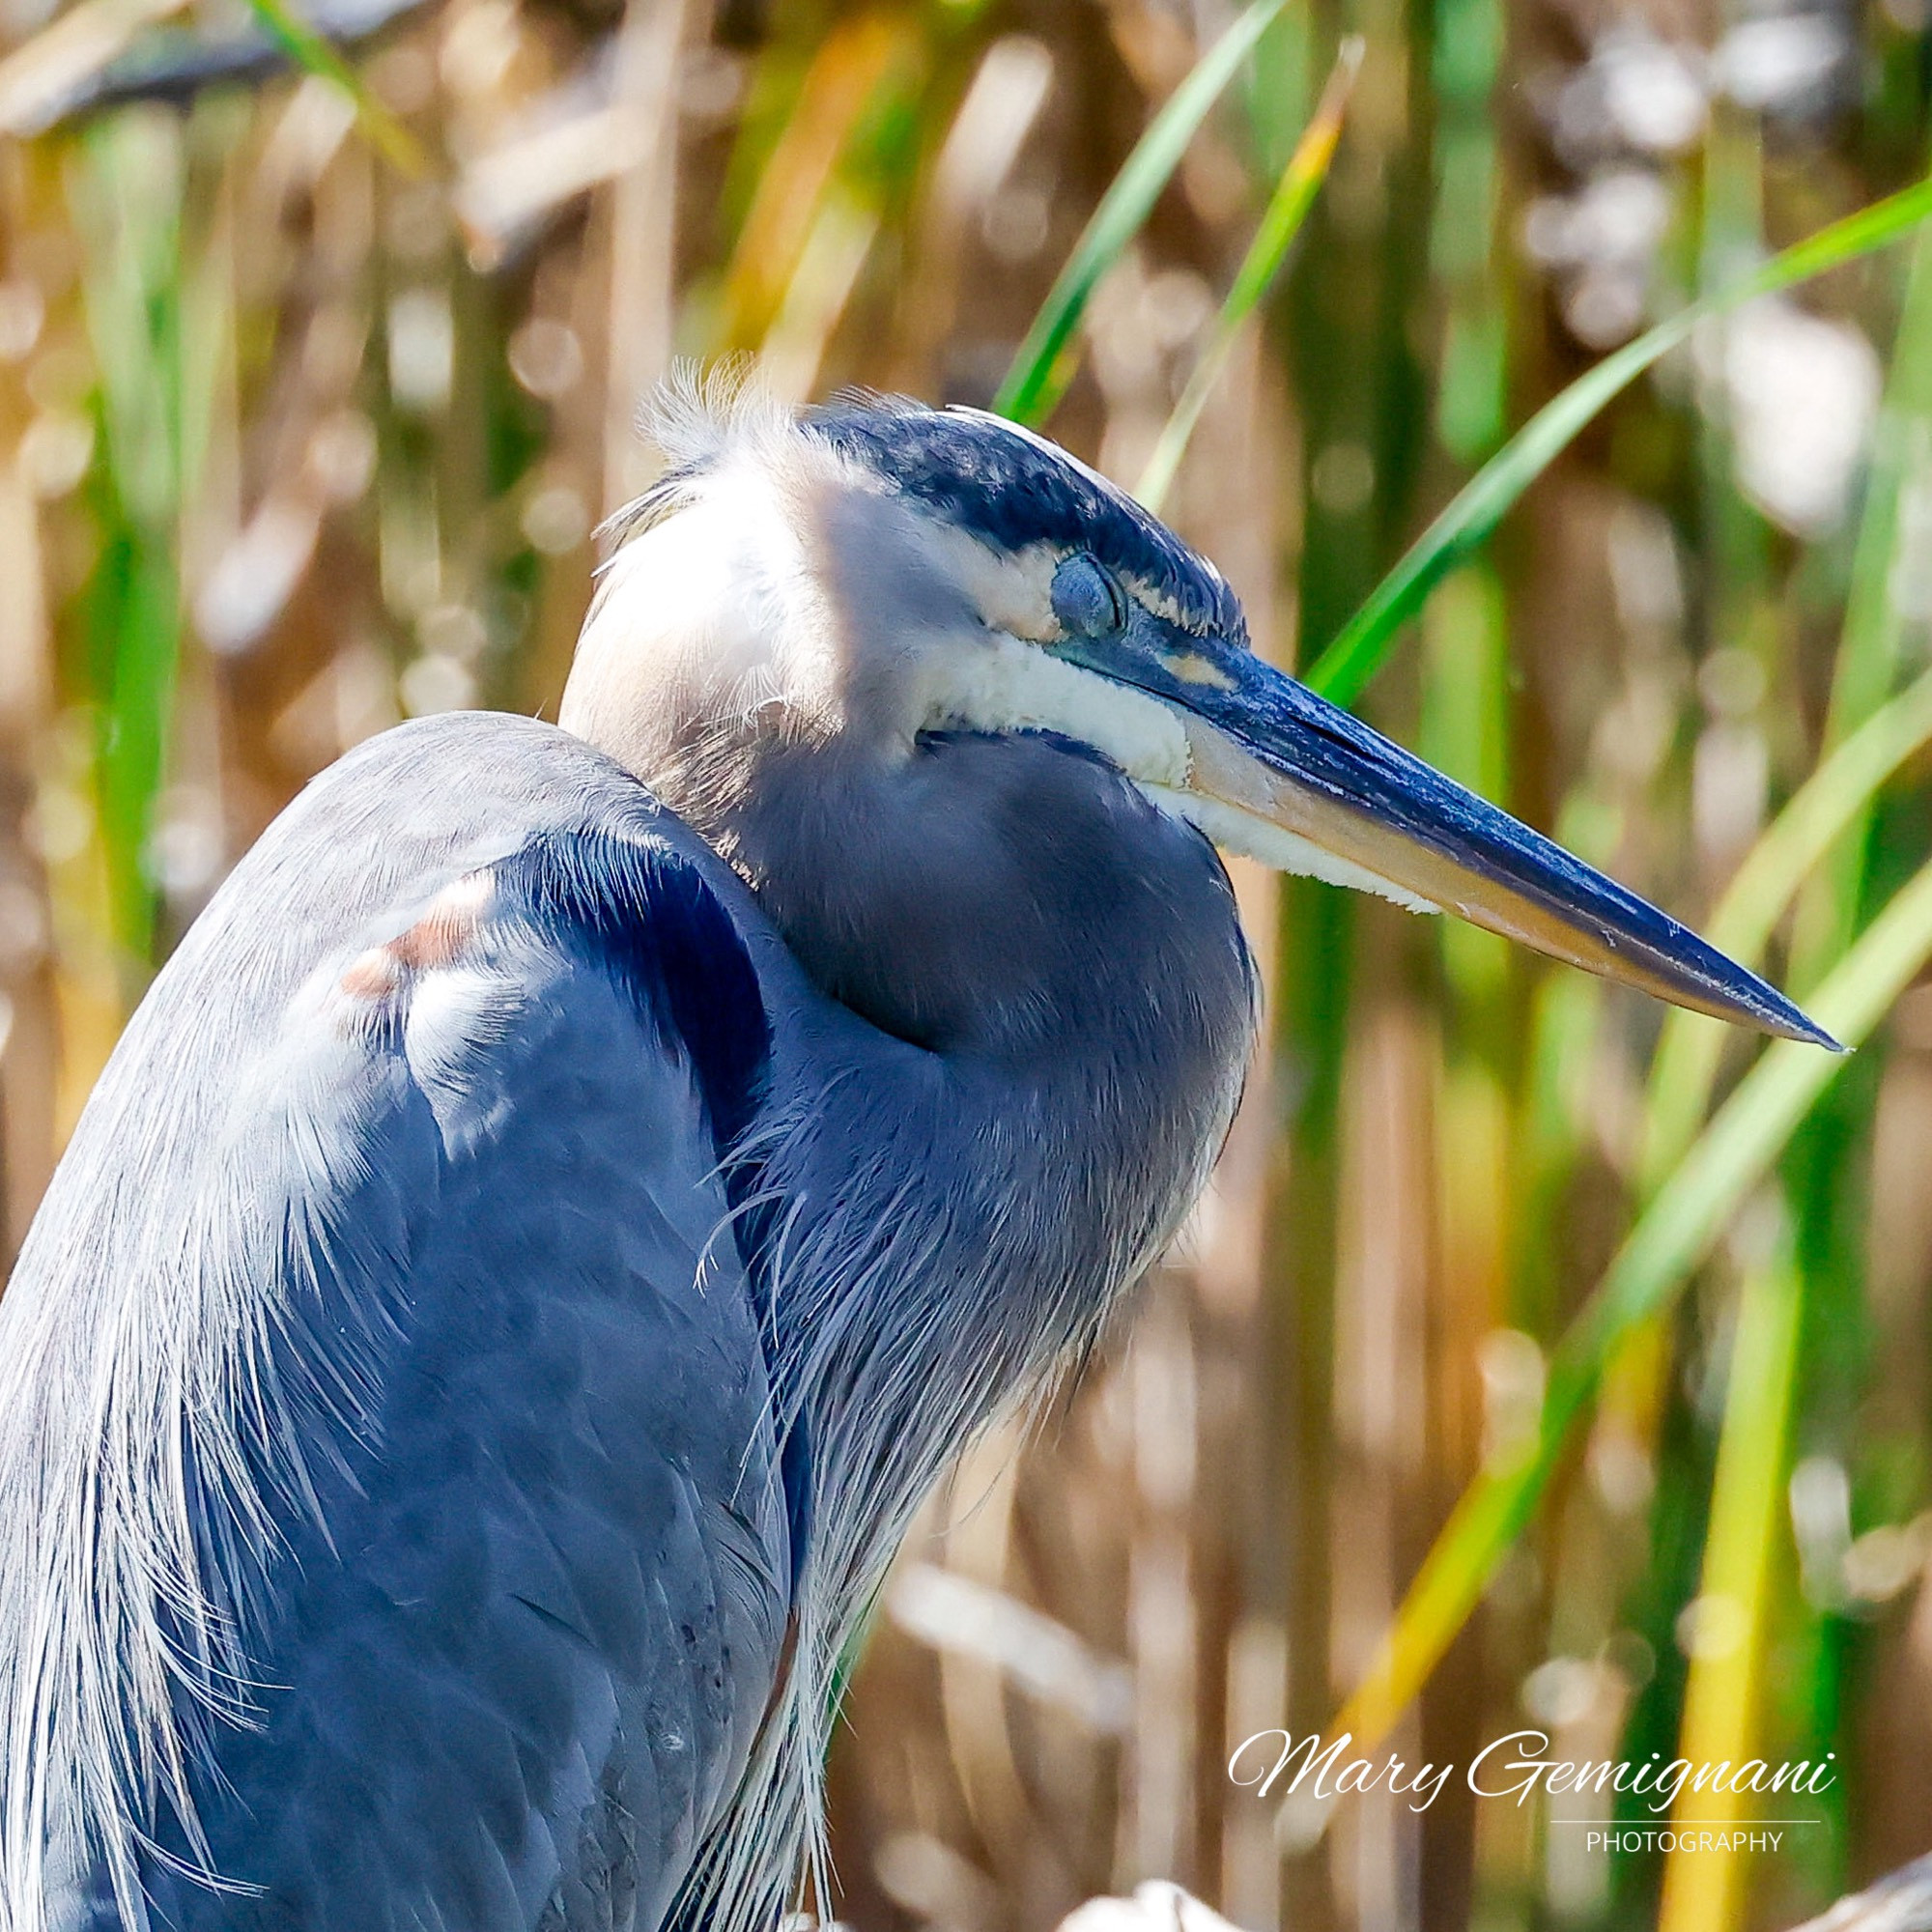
[[1086, 598]]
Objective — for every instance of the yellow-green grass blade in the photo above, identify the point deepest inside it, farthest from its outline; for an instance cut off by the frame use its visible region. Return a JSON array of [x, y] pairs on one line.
[[1673, 1236], [1040, 369], [845, 83], [1280, 223], [1354, 656], [310, 52], [1704, 1885]]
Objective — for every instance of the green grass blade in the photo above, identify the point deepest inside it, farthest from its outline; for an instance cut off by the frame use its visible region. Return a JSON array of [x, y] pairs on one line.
[[1872, 644], [135, 610], [1834, 798], [310, 52], [1467, 523], [1671, 1238], [1039, 377], [1280, 223], [129, 191], [1873, 640]]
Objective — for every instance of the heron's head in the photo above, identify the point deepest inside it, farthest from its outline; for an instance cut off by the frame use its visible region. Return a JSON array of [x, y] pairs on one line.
[[838, 593]]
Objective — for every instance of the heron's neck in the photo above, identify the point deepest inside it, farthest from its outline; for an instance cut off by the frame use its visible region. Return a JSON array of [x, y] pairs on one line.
[[1056, 1008]]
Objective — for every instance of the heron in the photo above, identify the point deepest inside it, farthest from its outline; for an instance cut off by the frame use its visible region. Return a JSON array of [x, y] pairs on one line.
[[574, 1187]]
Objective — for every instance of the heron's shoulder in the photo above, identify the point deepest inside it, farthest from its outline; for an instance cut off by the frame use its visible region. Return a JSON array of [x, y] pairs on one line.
[[456, 828]]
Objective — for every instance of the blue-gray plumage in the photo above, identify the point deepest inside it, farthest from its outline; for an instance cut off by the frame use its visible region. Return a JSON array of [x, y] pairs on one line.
[[574, 1189]]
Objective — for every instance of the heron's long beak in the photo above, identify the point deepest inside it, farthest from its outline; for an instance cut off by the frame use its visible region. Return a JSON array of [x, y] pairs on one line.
[[1282, 761]]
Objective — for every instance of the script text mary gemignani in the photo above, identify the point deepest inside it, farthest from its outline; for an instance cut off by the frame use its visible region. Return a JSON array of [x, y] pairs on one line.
[[1262, 1761]]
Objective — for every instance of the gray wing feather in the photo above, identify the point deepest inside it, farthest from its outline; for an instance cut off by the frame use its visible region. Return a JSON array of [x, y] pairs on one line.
[[441, 1562]]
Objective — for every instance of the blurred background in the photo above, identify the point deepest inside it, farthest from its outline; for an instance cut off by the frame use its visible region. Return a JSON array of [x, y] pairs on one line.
[[308, 413]]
